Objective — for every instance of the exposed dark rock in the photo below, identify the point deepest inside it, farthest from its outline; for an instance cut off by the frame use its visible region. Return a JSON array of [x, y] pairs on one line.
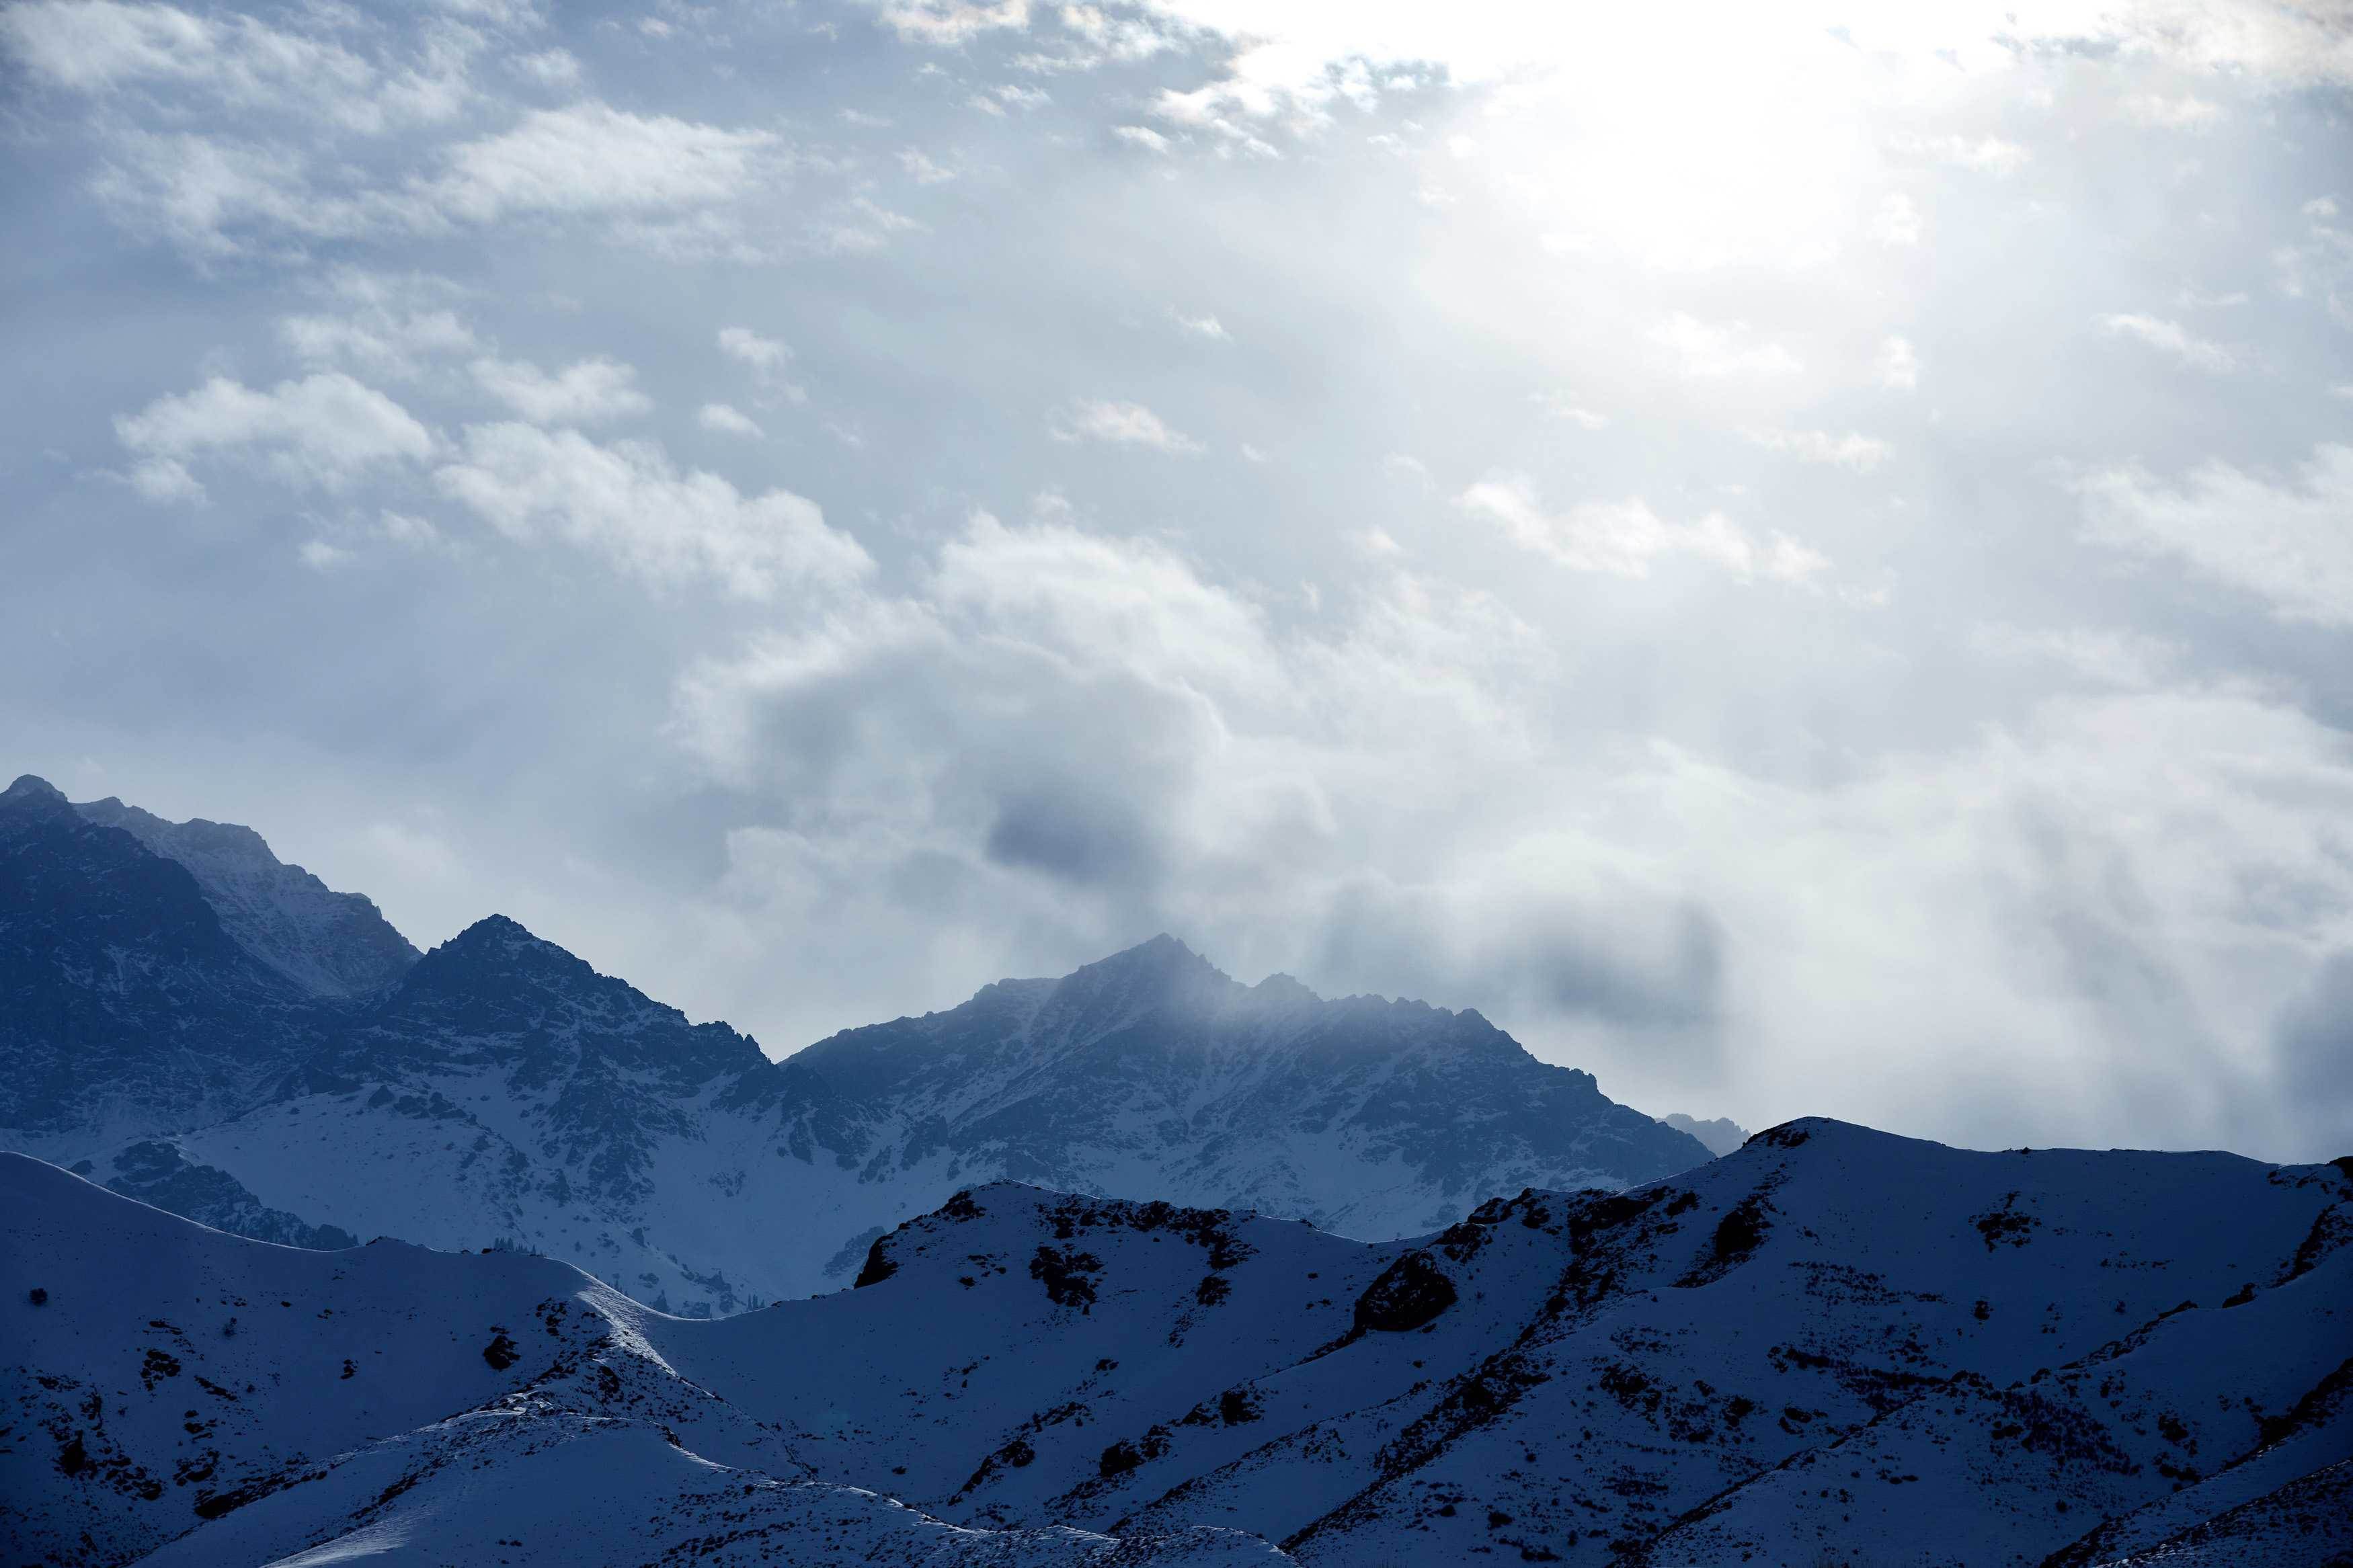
[[1408, 1293]]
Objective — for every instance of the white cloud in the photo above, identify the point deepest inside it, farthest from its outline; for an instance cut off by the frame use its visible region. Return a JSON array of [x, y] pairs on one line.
[[92, 46], [1120, 424], [726, 420], [325, 430], [922, 169], [1852, 450], [2187, 112], [1981, 154], [860, 225], [1624, 539], [242, 63], [589, 158], [1143, 136], [1898, 366], [511, 16], [390, 326], [385, 345], [205, 194], [951, 22], [2099, 657], [2172, 337], [1410, 471], [411, 532], [1010, 95], [550, 69], [1203, 326], [627, 503], [1898, 221], [1705, 350], [1584, 419], [590, 391], [765, 357], [2289, 545], [1107, 37], [164, 480]]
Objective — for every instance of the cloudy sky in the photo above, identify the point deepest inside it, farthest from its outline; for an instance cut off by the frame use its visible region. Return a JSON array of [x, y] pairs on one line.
[[1798, 556]]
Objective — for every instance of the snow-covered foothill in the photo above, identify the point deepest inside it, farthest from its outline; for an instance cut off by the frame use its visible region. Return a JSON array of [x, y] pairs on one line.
[[181, 1397], [1834, 1345]]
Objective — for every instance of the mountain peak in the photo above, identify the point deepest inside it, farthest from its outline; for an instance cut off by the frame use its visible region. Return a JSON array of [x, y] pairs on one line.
[[1147, 976], [33, 800], [496, 931], [499, 944], [1161, 952], [327, 943], [1281, 987]]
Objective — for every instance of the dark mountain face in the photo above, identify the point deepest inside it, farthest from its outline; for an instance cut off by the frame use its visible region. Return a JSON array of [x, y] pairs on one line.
[[496, 992], [327, 944], [116, 976]]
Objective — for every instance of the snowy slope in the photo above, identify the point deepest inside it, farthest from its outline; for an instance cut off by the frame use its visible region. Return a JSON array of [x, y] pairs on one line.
[[329, 943], [215, 1400], [1778, 1355], [1833, 1346]]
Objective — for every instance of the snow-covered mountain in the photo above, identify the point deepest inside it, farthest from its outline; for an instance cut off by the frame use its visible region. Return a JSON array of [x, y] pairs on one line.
[[124, 1004], [174, 1396], [264, 1077], [1834, 1346], [327, 944]]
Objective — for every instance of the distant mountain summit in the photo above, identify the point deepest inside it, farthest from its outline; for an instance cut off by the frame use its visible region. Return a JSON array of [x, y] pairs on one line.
[[1721, 1135], [124, 1002], [1372, 1116], [329, 943], [193, 1024]]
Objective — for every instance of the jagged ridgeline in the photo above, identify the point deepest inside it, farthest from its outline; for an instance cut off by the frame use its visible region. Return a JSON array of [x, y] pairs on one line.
[[1834, 1346], [186, 1020]]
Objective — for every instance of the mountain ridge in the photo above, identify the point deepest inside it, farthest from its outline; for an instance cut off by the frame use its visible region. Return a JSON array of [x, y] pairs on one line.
[[500, 1087], [327, 944]]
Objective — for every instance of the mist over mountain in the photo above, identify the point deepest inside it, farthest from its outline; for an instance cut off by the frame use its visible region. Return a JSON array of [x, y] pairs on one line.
[[235, 1042]]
